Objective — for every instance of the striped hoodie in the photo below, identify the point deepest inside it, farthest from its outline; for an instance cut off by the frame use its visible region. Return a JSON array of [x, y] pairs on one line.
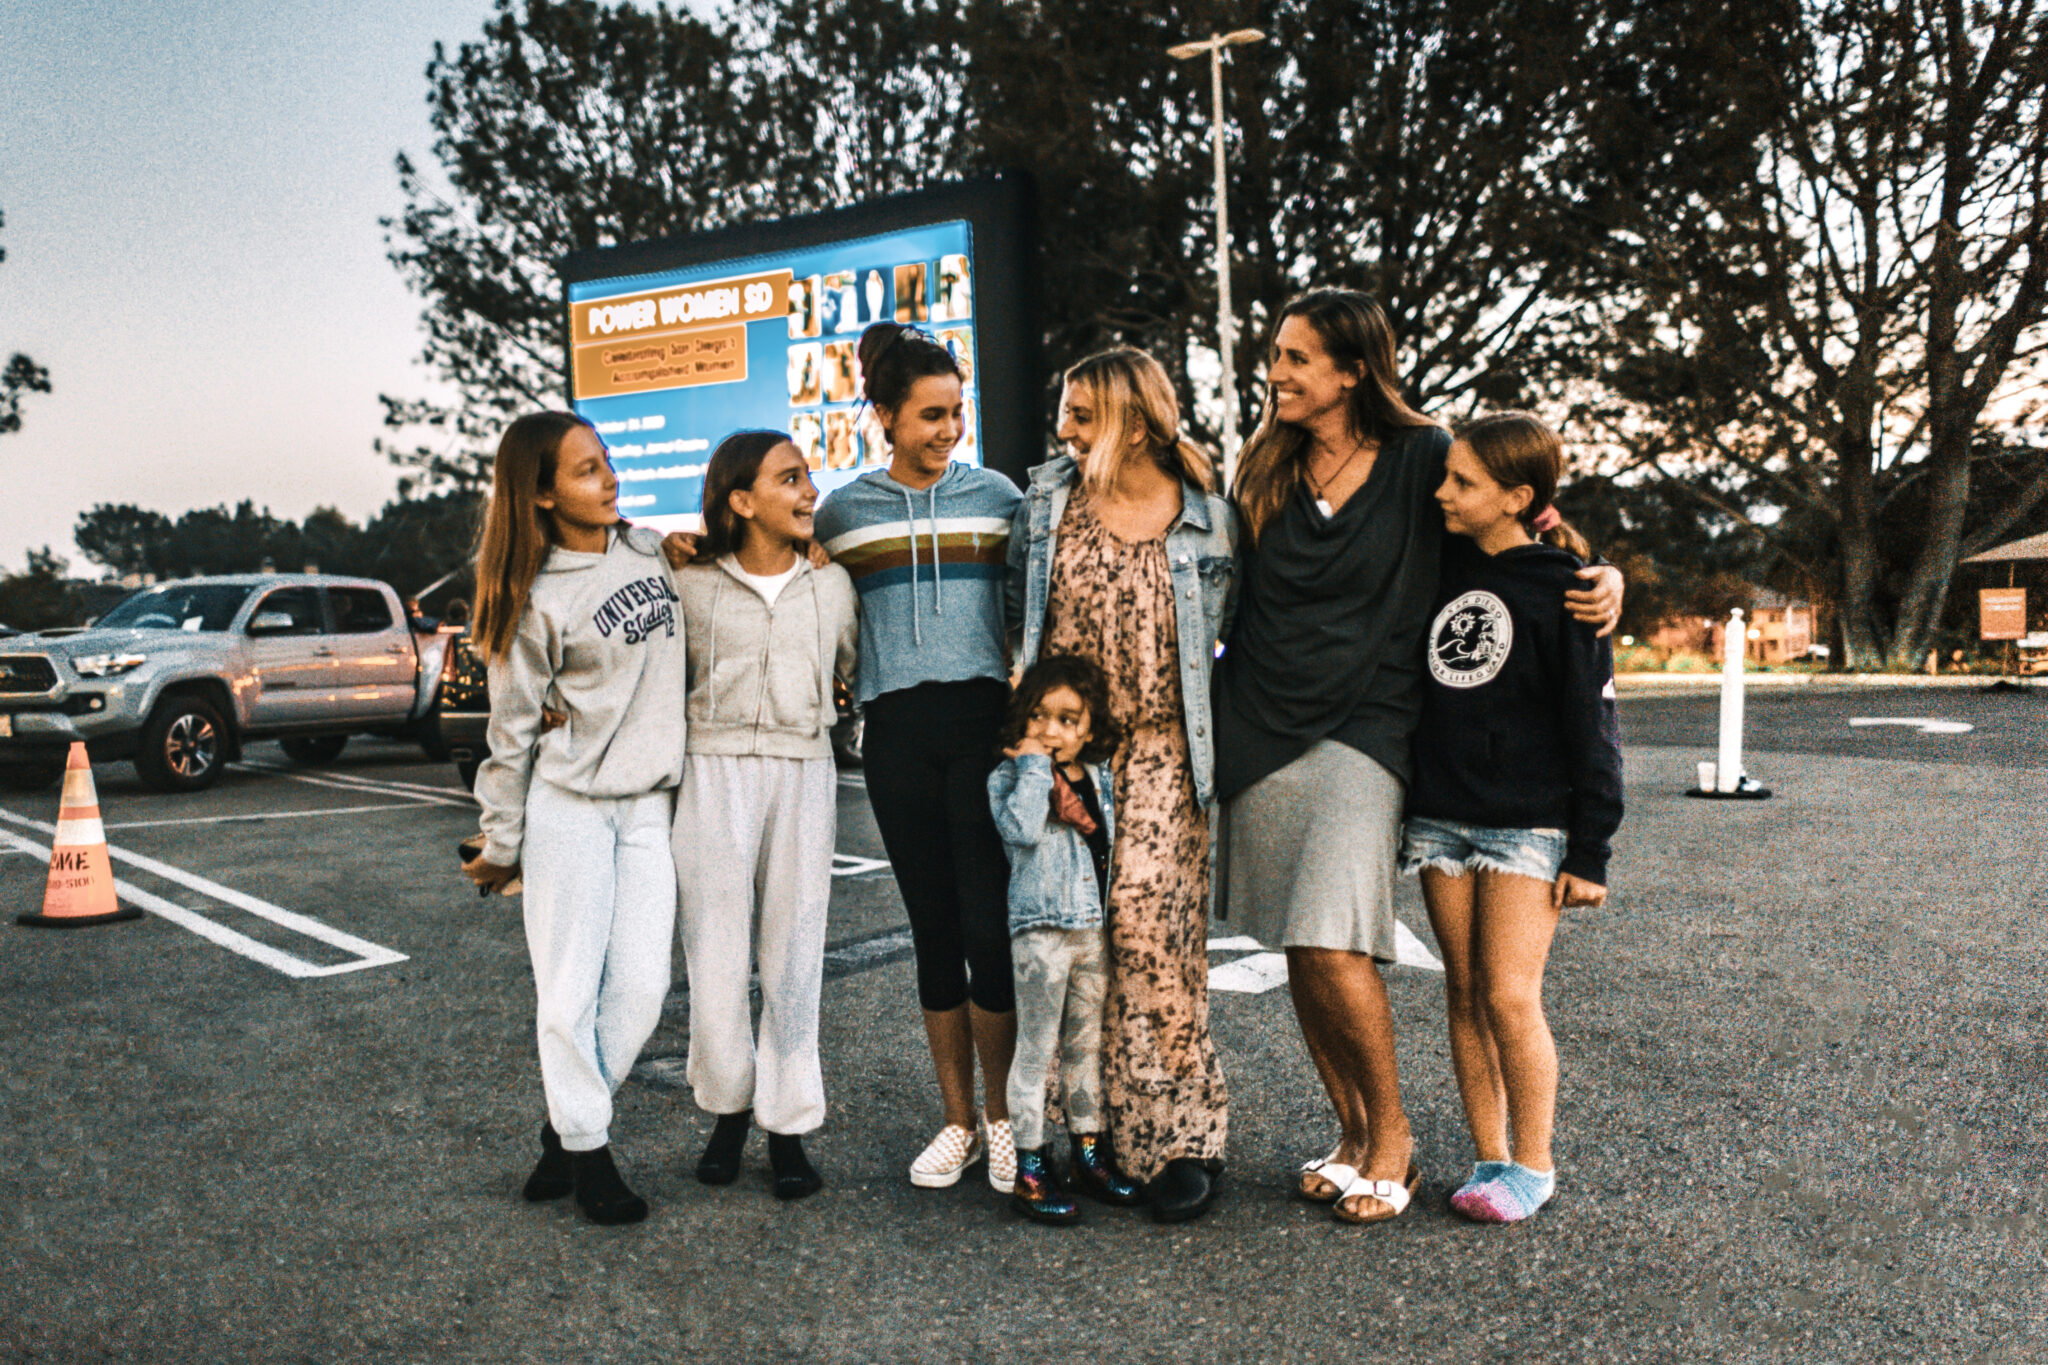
[[929, 566]]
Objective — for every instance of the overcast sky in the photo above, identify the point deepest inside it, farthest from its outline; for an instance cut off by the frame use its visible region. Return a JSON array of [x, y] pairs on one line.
[[191, 194]]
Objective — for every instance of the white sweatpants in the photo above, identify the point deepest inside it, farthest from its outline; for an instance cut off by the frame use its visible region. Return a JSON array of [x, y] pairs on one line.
[[600, 916], [753, 850]]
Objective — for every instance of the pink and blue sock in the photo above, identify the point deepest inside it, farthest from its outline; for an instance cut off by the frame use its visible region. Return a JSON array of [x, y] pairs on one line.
[[1509, 1197], [1482, 1171]]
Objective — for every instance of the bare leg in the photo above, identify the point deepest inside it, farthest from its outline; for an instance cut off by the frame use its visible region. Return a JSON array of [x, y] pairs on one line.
[[1353, 1120], [1343, 1004], [952, 1042], [1516, 925], [995, 1041], [1454, 920]]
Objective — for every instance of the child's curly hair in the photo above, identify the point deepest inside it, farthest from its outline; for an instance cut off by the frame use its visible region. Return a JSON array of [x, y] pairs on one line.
[[1084, 676]]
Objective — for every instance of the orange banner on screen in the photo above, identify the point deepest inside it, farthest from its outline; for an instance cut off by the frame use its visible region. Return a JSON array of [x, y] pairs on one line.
[[670, 360], [671, 338]]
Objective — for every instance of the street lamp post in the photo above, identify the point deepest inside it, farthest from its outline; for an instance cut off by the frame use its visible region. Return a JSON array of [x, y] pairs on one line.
[[1226, 327]]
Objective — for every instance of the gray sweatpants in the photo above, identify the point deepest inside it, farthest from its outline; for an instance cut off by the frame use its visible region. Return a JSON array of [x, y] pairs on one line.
[[600, 910], [1062, 976], [753, 850]]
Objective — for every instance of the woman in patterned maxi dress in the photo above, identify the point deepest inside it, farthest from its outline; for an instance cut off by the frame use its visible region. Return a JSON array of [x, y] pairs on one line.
[[1120, 553]]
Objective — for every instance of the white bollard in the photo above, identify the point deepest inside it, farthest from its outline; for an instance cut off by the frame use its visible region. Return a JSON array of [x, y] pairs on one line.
[[1724, 778], [1728, 768]]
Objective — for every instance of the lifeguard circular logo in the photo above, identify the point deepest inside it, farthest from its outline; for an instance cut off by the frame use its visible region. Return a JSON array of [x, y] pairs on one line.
[[1469, 640]]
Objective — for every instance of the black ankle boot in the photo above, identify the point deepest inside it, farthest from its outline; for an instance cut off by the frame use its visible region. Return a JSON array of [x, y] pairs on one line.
[[1183, 1190], [795, 1177], [720, 1164], [1038, 1193], [601, 1192], [1096, 1175], [551, 1178]]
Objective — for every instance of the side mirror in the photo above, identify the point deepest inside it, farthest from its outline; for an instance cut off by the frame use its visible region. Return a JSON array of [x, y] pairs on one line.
[[272, 623]]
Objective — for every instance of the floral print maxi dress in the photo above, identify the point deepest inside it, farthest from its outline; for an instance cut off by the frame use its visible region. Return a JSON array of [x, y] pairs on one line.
[[1163, 1091]]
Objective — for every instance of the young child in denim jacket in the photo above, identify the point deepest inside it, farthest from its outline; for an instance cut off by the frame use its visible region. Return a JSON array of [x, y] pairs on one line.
[[1054, 804]]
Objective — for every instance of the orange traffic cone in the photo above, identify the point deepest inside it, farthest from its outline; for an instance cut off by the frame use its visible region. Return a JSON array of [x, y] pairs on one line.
[[81, 889]]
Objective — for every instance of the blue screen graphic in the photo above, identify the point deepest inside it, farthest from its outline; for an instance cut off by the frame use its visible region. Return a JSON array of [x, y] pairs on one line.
[[656, 367]]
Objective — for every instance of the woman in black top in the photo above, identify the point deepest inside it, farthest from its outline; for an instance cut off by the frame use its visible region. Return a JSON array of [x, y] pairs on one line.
[[1316, 699]]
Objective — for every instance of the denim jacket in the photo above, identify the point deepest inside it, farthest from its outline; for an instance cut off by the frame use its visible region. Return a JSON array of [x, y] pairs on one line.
[[1052, 876], [1201, 549]]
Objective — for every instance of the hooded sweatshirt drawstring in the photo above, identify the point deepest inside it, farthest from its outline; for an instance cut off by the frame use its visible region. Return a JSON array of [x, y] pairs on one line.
[[910, 520], [717, 588], [938, 577]]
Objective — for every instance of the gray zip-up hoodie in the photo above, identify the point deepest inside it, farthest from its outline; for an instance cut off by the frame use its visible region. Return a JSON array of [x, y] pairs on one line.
[[761, 676], [602, 641]]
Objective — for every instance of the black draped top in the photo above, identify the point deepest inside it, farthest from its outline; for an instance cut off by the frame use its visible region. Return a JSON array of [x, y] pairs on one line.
[[1331, 613]]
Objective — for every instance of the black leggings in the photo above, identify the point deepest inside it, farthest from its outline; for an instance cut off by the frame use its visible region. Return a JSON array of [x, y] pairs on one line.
[[928, 751]]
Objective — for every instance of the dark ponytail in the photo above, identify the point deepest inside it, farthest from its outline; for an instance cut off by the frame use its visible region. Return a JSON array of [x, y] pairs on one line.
[[893, 357]]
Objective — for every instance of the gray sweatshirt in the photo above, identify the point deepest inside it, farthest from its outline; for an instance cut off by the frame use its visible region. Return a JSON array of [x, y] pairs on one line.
[[601, 640], [761, 676]]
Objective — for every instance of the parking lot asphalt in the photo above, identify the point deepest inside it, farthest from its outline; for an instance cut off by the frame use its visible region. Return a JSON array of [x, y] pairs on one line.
[[1803, 1096]]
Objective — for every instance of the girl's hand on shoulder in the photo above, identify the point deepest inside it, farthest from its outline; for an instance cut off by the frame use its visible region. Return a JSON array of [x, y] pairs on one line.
[[1570, 890], [819, 559], [679, 548], [1600, 604], [488, 876]]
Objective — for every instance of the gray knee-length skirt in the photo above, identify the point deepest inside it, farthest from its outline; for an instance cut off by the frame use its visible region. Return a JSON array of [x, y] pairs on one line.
[[1306, 856]]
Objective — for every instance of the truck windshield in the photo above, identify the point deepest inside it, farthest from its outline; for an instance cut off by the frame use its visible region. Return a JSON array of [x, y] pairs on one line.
[[174, 606]]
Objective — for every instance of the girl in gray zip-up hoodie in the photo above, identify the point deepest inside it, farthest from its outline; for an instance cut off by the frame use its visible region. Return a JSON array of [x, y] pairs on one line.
[[758, 809], [577, 612]]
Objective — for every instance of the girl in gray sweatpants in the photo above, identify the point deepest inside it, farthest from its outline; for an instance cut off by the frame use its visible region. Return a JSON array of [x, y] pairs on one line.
[[758, 808], [577, 613]]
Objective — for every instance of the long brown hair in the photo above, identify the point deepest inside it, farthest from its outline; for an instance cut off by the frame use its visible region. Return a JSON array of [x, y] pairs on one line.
[[517, 530], [1133, 394], [733, 466], [1518, 450], [1355, 332]]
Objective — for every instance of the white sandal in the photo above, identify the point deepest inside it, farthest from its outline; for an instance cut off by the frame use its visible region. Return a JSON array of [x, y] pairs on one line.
[[1329, 1168], [1395, 1194], [1002, 1154], [951, 1152]]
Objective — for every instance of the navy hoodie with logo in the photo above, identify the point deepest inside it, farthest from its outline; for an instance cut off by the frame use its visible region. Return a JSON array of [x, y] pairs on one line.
[[1519, 728]]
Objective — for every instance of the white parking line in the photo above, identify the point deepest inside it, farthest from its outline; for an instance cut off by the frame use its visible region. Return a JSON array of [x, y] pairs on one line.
[[847, 865], [261, 815], [367, 954], [352, 785], [350, 775], [1262, 971]]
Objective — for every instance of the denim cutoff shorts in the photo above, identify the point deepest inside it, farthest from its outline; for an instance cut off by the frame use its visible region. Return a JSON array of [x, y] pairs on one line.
[[1458, 849]]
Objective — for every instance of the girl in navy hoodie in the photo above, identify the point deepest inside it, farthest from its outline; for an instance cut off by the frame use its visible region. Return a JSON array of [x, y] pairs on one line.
[[1517, 791]]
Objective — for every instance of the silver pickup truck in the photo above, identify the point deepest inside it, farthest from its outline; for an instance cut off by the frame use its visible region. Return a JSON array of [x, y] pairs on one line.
[[179, 676]]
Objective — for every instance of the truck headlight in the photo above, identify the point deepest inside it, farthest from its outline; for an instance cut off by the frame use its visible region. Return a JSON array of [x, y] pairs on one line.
[[107, 665]]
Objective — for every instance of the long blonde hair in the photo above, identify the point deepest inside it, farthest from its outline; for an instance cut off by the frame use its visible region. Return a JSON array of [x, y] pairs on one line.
[[1133, 394], [1355, 332], [1518, 450], [517, 530]]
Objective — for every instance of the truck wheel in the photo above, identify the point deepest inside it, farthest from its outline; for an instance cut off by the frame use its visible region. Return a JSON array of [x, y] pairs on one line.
[[35, 775], [183, 746], [847, 737], [428, 735], [313, 751]]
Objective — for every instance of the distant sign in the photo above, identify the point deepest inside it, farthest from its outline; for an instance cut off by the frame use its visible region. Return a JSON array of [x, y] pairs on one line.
[[2001, 613], [673, 344]]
